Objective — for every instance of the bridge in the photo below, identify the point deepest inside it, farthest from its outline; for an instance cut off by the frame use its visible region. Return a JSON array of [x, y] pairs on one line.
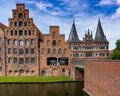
[[79, 70]]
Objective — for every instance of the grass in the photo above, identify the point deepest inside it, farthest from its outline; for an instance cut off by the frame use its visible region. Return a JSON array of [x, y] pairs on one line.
[[27, 79]]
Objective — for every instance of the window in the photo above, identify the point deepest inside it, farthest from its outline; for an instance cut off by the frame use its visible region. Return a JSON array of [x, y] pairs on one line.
[[26, 51], [20, 23], [15, 42], [11, 33], [9, 51], [15, 32], [0, 49], [75, 54], [48, 51], [25, 32], [63, 70], [54, 35], [0, 59], [59, 43], [65, 51], [15, 51], [32, 60], [51, 61], [32, 51], [10, 60], [25, 23], [48, 42], [59, 51], [54, 43], [20, 15], [32, 42], [21, 61], [20, 32], [15, 60], [26, 42], [9, 42], [29, 32], [63, 61], [15, 23], [54, 51], [21, 51], [21, 42], [88, 54], [26, 60], [0, 68]]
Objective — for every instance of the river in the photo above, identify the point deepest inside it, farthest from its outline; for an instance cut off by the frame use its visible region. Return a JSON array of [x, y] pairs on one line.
[[45, 89]]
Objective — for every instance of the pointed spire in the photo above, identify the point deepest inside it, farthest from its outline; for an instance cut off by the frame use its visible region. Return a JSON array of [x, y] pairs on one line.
[[99, 36], [73, 37]]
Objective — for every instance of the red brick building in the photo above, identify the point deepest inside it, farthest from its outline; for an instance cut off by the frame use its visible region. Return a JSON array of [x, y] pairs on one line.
[[25, 51]]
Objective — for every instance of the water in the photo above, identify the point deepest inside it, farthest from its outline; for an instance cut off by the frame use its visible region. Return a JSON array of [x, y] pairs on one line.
[[52, 89]]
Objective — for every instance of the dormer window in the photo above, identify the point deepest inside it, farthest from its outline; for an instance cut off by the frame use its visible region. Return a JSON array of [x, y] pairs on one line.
[[20, 15]]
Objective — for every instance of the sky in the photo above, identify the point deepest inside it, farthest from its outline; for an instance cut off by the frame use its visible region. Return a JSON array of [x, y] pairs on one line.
[[62, 12]]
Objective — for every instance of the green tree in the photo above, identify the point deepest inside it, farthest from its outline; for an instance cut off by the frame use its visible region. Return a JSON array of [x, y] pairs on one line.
[[115, 55]]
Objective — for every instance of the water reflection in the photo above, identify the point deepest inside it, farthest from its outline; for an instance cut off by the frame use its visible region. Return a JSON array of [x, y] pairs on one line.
[[52, 89]]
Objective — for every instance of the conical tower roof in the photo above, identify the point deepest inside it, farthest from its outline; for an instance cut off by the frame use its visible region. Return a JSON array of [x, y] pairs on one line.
[[99, 36], [73, 37]]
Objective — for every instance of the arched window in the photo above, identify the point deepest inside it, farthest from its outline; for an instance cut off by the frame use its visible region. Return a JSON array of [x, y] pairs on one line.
[[0, 59], [0, 68], [32, 41], [59, 42], [9, 51], [14, 42], [15, 51], [10, 60], [21, 61], [26, 60], [65, 51], [63, 70], [20, 23], [15, 60], [59, 51], [21, 51], [21, 42], [54, 43], [48, 51], [9, 42], [26, 42], [48, 42], [20, 32], [32, 60], [20, 15], [54, 51], [54, 35]]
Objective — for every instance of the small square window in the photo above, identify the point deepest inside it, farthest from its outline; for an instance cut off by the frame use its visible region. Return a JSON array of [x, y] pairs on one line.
[[20, 15]]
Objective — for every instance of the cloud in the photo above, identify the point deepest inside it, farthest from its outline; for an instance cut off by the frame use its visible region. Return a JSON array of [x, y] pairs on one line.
[[116, 15], [43, 6], [106, 2]]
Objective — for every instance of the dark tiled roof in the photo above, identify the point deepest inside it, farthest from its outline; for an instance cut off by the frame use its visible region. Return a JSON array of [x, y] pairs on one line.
[[99, 36], [73, 37]]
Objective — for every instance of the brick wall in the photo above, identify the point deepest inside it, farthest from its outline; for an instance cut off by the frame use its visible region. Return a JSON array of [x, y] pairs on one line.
[[102, 78]]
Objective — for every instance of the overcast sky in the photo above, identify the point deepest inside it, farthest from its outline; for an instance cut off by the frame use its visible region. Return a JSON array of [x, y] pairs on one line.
[[62, 12]]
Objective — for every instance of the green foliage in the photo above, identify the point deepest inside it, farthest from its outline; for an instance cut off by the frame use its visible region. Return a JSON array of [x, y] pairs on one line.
[[115, 55], [20, 79]]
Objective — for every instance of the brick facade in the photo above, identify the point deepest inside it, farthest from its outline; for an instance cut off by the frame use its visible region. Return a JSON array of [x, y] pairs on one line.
[[102, 78], [55, 54]]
